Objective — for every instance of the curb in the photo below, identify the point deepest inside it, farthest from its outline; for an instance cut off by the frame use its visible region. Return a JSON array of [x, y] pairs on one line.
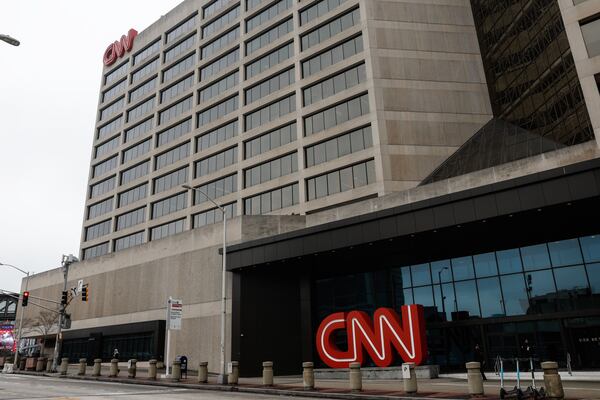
[[230, 388]]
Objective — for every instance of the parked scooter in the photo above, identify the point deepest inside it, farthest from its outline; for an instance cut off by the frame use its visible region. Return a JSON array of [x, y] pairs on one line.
[[532, 392], [516, 392]]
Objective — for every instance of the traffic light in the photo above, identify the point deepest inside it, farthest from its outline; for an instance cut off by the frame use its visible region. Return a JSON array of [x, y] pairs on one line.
[[25, 299], [84, 293], [65, 297]]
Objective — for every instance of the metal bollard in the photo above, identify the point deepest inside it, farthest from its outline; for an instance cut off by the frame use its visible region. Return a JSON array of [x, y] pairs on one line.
[[132, 367], [49, 365], [355, 377], [267, 373], [64, 366], [97, 371], [474, 378], [41, 364], [114, 368], [554, 386], [203, 372], [82, 365], [176, 370], [152, 369], [308, 375], [410, 383], [235, 373]]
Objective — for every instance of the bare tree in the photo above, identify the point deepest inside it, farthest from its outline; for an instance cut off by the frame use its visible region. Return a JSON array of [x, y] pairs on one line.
[[43, 323]]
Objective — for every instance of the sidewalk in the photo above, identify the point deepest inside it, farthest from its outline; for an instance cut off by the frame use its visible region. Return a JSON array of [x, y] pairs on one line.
[[449, 388], [578, 376]]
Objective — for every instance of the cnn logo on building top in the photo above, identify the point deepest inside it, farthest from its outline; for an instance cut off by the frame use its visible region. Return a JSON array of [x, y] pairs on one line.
[[118, 49]]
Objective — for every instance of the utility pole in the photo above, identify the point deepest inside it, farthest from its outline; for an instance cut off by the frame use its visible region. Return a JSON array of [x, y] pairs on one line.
[[66, 262]]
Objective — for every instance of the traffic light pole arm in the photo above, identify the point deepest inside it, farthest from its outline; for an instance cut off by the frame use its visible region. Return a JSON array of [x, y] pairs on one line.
[[44, 307]]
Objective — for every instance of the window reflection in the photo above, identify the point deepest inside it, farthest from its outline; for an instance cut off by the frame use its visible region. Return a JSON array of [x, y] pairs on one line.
[[590, 246], [490, 297], [467, 304], [515, 294], [509, 261], [462, 268], [565, 252], [535, 257]]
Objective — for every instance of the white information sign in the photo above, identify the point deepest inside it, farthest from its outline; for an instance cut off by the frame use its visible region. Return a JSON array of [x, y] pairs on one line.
[[405, 371], [175, 314]]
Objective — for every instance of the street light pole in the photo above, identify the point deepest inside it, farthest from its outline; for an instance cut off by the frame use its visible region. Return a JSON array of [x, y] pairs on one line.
[[66, 262], [442, 291], [22, 310], [222, 377], [10, 40]]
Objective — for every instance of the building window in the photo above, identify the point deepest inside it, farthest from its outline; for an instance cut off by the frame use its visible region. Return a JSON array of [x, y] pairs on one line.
[[98, 230], [216, 162], [219, 87], [334, 85], [132, 195], [110, 128], [270, 85], [98, 209], [269, 36], [143, 90], [336, 115], [138, 130], [172, 228], [131, 218], [137, 151], [111, 93], [128, 241], [214, 7], [116, 73], [169, 205], [250, 4], [221, 22], [341, 180], [175, 110], [318, 9], [270, 170], [220, 64], [171, 180], [217, 111], [176, 89], [268, 14], [273, 200], [332, 56], [174, 132], [181, 29], [141, 109], [103, 187], [150, 50], [144, 71], [107, 147], [270, 140], [215, 189], [135, 172], [591, 36], [268, 61], [181, 67], [217, 136], [340, 146], [95, 251], [270, 112], [179, 49], [105, 166], [219, 43], [172, 156], [112, 109], [214, 215], [330, 29]]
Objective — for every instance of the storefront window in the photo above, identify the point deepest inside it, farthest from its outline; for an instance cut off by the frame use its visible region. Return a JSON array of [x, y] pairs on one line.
[[441, 269], [490, 297], [462, 268], [423, 296], [509, 261], [515, 294], [421, 275], [590, 245], [535, 257], [449, 301], [485, 265], [593, 271], [467, 304], [565, 252]]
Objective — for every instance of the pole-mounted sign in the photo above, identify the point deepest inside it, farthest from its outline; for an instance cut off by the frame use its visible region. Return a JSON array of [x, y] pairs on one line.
[[377, 337], [175, 314]]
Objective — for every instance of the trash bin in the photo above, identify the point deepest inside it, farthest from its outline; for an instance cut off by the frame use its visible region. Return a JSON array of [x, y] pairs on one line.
[[184, 365]]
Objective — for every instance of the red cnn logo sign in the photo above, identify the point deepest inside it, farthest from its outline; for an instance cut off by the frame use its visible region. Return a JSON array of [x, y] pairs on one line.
[[119, 48], [377, 337]]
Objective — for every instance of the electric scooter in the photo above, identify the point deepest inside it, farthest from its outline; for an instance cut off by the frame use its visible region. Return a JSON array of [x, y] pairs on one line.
[[515, 393], [532, 392]]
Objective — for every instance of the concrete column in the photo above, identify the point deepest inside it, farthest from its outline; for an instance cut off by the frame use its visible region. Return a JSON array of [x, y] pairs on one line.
[[235, 373], [97, 367], [114, 368], [41, 364], [355, 377], [474, 378], [82, 365], [268, 373], [176, 370], [131, 371], [203, 372], [308, 375], [554, 387], [49, 365], [152, 369], [64, 366], [410, 384]]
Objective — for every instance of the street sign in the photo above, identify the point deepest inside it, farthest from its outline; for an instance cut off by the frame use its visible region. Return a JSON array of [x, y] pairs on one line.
[[79, 286], [175, 313], [405, 371]]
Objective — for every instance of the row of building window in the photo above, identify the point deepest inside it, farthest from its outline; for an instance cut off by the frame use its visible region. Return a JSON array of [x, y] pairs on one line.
[[269, 36], [115, 74], [107, 147], [220, 43], [129, 241], [97, 230], [144, 71], [318, 9], [335, 84], [341, 180], [172, 156], [132, 195], [103, 187], [135, 172], [171, 180], [101, 208], [220, 64], [169, 205], [273, 200], [340, 146], [217, 111], [271, 85], [115, 90], [141, 109], [105, 166], [141, 91], [213, 7], [216, 162], [270, 112], [220, 86], [179, 49], [336, 115], [110, 128], [137, 151], [139, 130], [131, 218], [112, 109], [217, 188], [148, 51], [330, 29], [268, 14], [270, 170], [214, 215], [268, 61], [181, 29], [175, 110], [217, 136], [332, 56], [270, 140], [181, 67], [174, 132], [176, 89], [168, 229], [221, 22]]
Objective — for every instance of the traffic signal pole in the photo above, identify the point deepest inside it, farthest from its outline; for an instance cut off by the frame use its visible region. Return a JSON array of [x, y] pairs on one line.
[[66, 262], [21, 324]]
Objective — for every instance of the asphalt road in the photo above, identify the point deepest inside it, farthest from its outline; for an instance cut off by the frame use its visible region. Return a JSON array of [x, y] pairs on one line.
[[28, 387]]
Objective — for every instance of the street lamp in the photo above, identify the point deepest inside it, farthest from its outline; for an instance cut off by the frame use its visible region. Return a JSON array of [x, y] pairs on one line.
[[22, 309], [66, 262], [442, 291], [9, 40], [222, 378]]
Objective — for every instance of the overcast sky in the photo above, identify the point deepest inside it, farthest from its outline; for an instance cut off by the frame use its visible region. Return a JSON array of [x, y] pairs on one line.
[[48, 98]]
